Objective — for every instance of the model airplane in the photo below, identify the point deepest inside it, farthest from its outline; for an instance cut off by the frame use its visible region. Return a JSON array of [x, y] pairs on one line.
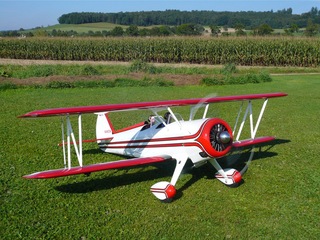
[[161, 138]]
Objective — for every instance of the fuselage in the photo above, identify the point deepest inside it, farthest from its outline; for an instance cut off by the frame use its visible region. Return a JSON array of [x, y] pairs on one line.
[[190, 139]]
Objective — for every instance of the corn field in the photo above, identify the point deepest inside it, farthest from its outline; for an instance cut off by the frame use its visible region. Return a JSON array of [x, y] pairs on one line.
[[251, 51]]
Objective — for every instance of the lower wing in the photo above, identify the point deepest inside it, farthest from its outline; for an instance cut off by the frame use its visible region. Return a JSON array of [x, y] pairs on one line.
[[250, 142], [98, 167]]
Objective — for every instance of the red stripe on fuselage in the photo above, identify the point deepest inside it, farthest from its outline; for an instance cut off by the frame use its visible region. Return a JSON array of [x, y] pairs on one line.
[[185, 141], [183, 144], [167, 139]]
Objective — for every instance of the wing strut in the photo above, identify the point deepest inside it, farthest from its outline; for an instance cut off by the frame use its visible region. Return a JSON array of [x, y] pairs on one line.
[[63, 144], [71, 137], [253, 127], [247, 142]]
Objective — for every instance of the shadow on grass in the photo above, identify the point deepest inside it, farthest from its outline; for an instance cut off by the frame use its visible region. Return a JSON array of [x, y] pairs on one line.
[[126, 178], [236, 159]]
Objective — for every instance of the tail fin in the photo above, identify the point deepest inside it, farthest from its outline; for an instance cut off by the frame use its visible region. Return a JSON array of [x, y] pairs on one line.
[[104, 128]]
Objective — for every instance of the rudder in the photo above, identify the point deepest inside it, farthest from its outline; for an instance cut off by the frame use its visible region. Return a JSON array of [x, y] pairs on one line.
[[104, 128]]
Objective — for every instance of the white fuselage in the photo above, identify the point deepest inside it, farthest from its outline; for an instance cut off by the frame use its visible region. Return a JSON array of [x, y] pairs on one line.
[[177, 139]]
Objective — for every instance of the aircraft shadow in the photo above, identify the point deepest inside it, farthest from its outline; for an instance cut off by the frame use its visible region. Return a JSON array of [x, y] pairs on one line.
[[126, 178], [235, 160]]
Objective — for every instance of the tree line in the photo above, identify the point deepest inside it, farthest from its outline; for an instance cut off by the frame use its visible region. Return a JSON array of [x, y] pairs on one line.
[[187, 29], [311, 27], [279, 19]]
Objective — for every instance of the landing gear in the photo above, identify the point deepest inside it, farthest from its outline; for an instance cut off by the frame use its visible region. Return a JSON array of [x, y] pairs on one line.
[[229, 176]]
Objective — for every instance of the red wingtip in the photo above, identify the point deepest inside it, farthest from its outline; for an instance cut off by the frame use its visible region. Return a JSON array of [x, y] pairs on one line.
[[28, 176], [33, 175]]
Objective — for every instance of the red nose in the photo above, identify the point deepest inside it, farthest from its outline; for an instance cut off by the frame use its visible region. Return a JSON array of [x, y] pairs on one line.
[[216, 137]]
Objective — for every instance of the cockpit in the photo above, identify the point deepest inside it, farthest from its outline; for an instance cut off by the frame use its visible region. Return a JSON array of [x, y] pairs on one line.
[[158, 121]]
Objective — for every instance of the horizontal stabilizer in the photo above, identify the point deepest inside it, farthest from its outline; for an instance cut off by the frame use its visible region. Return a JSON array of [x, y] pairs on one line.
[[250, 142], [98, 167]]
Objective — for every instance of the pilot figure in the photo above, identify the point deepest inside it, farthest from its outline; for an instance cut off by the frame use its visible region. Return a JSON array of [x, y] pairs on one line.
[[167, 117], [151, 120]]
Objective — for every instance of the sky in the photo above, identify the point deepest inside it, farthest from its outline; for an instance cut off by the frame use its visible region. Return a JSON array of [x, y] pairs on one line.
[[26, 14]]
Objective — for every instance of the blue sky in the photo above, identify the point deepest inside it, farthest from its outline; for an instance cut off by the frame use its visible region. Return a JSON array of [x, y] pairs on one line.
[[27, 14]]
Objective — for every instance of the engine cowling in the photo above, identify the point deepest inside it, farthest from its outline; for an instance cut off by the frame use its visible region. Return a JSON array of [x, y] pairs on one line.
[[216, 137]]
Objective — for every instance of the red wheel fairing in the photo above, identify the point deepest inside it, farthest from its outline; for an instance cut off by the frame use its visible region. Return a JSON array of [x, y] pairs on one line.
[[216, 137]]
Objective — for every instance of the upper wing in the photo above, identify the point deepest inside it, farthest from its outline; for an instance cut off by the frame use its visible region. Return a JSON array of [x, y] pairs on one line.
[[146, 105], [98, 167]]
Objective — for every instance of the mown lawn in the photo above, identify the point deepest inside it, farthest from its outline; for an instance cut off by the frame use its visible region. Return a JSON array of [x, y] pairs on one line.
[[278, 200]]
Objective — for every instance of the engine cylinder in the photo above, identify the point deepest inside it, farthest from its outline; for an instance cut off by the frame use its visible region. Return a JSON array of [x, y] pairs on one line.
[[216, 137]]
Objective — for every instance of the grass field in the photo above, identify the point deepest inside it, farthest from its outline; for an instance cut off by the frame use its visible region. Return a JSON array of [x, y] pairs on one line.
[[279, 199], [84, 28]]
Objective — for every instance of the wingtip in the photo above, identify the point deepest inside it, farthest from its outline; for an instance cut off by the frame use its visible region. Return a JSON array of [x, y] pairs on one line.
[[31, 176], [28, 115], [22, 116], [27, 176], [36, 175]]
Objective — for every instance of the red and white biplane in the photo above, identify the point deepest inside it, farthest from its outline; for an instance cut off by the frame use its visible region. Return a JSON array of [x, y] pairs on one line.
[[161, 138]]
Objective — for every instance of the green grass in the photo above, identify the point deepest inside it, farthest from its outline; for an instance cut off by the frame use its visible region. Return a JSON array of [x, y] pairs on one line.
[[35, 70], [279, 199], [27, 71]]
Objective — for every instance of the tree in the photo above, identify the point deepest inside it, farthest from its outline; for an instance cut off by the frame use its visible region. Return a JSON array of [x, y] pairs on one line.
[[117, 32], [279, 19], [314, 11], [198, 29], [292, 29], [312, 29], [41, 33], [144, 32], [164, 30], [240, 29], [215, 30], [189, 29], [263, 30], [132, 31], [54, 33], [105, 33]]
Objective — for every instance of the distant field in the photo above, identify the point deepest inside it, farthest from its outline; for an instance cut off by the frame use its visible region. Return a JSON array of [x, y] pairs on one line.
[[84, 28], [279, 199]]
